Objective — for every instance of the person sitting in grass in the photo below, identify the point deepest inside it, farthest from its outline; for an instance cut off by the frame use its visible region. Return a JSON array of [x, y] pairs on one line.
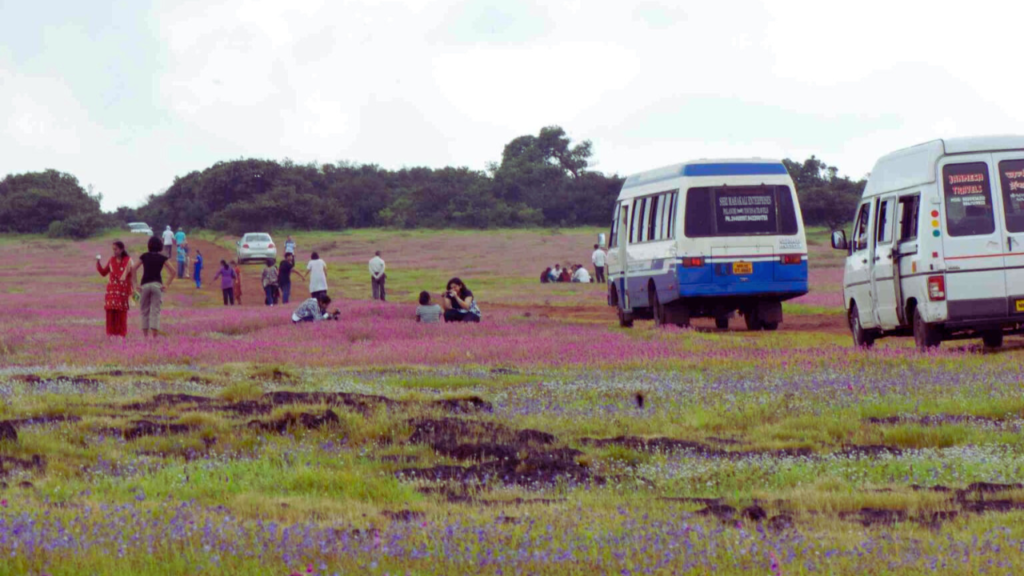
[[314, 310], [426, 312], [580, 274], [459, 303]]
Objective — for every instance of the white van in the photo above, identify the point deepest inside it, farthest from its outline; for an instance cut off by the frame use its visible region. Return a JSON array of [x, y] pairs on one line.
[[938, 244], [705, 239]]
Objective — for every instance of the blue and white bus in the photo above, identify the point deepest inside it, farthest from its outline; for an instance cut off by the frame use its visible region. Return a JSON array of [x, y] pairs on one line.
[[706, 239]]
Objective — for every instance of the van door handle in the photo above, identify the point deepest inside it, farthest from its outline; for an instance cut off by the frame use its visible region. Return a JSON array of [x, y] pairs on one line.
[[864, 261]]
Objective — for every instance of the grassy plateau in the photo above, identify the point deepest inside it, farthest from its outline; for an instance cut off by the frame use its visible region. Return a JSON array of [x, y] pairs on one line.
[[544, 440]]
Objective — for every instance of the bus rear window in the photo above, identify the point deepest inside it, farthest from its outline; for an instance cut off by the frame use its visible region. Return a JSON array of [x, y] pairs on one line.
[[968, 199], [740, 211]]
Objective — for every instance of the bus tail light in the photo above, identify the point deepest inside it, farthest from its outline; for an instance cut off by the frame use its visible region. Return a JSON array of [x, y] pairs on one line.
[[693, 262], [936, 288], [792, 258]]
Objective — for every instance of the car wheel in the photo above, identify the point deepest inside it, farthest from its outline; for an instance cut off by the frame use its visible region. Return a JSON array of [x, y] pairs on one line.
[[722, 322], [861, 337], [992, 338], [926, 335]]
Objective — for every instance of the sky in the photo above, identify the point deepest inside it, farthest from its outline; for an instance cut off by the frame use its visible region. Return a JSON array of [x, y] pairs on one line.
[[127, 95]]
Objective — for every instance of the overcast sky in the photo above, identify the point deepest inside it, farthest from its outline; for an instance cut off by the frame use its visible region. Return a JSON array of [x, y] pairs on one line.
[[128, 94]]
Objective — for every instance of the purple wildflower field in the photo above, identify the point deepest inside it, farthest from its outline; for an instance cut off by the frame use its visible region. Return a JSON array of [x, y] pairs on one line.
[[545, 440]]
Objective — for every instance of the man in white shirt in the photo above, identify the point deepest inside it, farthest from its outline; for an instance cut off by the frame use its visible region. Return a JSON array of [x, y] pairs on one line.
[[598, 258], [168, 238], [581, 275], [377, 276]]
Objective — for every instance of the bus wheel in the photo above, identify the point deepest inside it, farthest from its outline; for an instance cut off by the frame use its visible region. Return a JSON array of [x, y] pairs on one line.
[[992, 338], [752, 319], [861, 337], [925, 335], [770, 326], [625, 319], [722, 322], [657, 310]]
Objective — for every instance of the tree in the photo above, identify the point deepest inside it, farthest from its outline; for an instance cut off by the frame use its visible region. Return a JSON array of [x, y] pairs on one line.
[[34, 201], [825, 197]]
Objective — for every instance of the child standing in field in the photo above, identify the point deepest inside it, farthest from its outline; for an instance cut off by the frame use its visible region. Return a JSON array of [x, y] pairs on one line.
[[227, 283], [197, 269], [119, 289], [426, 312], [181, 260], [270, 282]]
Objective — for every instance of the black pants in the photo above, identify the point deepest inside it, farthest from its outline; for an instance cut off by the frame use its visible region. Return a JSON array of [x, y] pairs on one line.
[[378, 287], [229, 296], [599, 274], [456, 316]]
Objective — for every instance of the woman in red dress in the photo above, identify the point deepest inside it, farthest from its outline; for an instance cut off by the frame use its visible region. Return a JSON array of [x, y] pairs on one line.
[[119, 289]]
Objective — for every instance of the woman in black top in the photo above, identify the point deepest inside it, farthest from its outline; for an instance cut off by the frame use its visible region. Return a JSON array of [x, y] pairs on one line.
[[459, 303], [152, 285]]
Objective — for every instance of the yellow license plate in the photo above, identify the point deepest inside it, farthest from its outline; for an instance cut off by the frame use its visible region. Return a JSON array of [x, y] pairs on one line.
[[742, 268], [1020, 305]]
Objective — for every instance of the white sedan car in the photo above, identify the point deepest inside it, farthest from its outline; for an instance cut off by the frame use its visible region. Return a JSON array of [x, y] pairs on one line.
[[140, 228], [256, 246]]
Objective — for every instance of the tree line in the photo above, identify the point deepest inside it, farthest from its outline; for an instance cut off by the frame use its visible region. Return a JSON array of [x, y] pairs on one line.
[[541, 180]]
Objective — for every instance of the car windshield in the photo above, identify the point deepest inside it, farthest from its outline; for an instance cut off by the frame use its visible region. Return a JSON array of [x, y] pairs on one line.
[[257, 238]]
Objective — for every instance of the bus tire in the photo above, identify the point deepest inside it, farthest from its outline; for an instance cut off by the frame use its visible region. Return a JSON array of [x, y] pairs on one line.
[[657, 309], [750, 316], [992, 338], [722, 322], [861, 338], [625, 319], [926, 335]]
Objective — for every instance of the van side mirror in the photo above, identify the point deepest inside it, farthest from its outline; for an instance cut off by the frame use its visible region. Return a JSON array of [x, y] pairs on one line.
[[839, 240]]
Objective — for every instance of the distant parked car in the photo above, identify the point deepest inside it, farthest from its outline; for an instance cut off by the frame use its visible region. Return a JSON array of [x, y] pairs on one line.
[[140, 228], [256, 246]]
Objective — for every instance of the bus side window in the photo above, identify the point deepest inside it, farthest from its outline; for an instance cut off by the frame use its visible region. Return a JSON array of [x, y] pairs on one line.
[[860, 228], [613, 235], [908, 217]]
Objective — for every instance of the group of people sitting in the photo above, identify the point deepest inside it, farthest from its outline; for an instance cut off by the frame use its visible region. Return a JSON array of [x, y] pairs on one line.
[[457, 305], [568, 273]]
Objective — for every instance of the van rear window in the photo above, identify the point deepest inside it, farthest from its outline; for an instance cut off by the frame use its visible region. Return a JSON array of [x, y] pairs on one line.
[[740, 211], [1011, 176], [968, 199]]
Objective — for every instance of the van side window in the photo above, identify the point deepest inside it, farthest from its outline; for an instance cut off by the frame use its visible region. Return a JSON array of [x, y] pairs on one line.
[[907, 217], [1011, 176], [860, 228], [968, 199], [883, 223]]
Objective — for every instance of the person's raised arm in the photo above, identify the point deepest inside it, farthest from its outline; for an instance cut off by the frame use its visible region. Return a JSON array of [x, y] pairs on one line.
[[103, 270]]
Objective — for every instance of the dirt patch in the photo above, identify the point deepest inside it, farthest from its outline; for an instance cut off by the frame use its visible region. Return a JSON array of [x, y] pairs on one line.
[[534, 470], [303, 420], [36, 463], [142, 428], [362, 403], [57, 378], [723, 512], [869, 451], [8, 432], [661, 444], [403, 515], [780, 522], [687, 500], [875, 516], [754, 513], [935, 419], [399, 458], [33, 420], [468, 405]]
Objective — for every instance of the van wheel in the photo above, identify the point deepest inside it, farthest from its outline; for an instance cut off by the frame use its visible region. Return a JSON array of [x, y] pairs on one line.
[[722, 322], [861, 337], [992, 339], [925, 335], [625, 319], [657, 310], [770, 326]]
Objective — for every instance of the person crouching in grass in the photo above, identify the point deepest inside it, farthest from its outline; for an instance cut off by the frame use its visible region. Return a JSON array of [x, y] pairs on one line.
[[314, 310]]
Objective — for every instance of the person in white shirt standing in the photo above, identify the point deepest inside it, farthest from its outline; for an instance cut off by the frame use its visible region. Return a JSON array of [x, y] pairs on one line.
[[317, 269], [168, 239], [598, 258], [377, 277]]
